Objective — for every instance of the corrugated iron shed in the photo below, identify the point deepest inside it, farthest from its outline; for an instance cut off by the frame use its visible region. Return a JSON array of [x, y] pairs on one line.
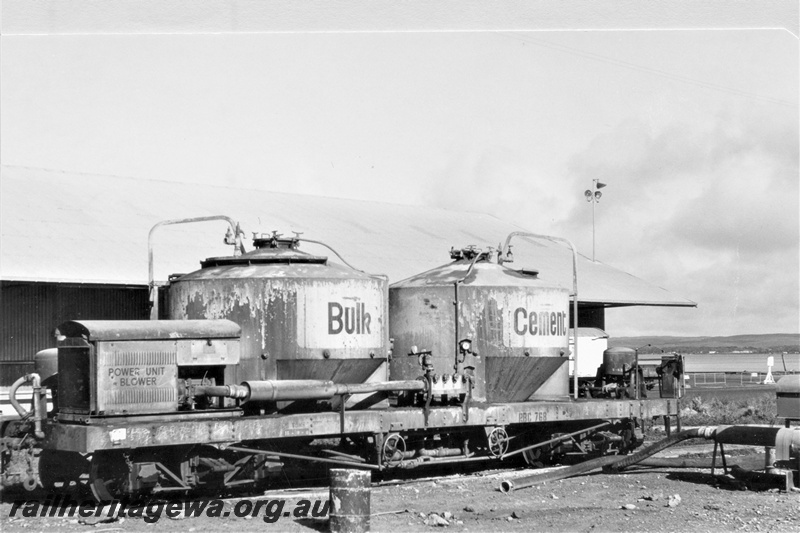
[[77, 228]]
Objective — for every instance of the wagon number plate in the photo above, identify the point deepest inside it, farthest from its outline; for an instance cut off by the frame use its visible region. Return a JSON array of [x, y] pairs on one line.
[[533, 416]]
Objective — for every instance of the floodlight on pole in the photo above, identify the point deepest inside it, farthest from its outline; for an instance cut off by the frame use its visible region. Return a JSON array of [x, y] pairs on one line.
[[593, 195]]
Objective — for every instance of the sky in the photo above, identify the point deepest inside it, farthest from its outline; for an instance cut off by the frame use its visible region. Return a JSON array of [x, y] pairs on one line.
[[695, 134]]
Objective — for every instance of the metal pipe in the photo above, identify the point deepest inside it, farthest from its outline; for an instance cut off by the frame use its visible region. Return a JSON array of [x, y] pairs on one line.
[[575, 470], [593, 204], [295, 389], [752, 435], [440, 452], [703, 431], [238, 249], [12, 396], [342, 259], [302, 389], [304, 457], [612, 462], [748, 435], [380, 386], [346, 456], [36, 401], [557, 439], [693, 462], [226, 391], [280, 390], [414, 463], [504, 251]]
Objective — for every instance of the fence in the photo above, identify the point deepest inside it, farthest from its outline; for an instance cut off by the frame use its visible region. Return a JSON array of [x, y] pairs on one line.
[[729, 379]]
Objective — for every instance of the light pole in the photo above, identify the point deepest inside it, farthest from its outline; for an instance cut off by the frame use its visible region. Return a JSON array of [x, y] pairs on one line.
[[593, 195]]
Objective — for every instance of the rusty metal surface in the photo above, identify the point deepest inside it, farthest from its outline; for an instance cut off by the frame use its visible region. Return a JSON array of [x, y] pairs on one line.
[[350, 500], [515, 379], [485, 274], [75, 379], [208, 352], [618, 361], [182, 429], [506, 314], [312, 389], [139, 330], [339, 370], [298, 318], [136, 377], [119, 376], [267, 255]]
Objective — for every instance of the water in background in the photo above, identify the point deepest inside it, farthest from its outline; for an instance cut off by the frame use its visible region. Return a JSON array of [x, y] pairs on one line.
[[733, 362]]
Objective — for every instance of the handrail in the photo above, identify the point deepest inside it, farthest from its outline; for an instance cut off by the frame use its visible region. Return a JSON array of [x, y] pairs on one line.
[[504, 252], [234, 231]]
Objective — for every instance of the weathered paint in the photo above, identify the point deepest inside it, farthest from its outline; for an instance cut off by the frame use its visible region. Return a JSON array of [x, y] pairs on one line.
[[306, 319], [618, 361], [142, 330], [136, 376], [515, 379], [194, 428], [508, 316], [350, 500], [132, 367]]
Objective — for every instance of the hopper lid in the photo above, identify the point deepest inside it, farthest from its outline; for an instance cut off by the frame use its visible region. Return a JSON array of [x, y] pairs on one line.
[[472, 266], [269, 249]]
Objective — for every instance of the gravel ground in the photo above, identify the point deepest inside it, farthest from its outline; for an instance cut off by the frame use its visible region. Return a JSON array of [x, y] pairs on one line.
[[661, 499]]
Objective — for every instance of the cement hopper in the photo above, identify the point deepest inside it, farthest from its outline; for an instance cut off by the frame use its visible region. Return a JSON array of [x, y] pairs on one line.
[[301, 316], [517, 323]]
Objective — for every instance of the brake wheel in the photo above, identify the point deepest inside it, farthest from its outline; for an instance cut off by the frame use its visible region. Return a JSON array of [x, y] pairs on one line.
[[394, 448]]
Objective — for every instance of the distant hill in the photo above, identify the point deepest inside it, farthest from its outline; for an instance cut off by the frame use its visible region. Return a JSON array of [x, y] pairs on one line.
[[766, 343]]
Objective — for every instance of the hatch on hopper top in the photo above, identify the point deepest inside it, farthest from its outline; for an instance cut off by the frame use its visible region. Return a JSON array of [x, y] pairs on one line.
[[269, 249]]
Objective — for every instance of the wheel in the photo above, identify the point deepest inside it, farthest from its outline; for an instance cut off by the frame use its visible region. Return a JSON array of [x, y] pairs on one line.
[[533, 457], [394, 449], [108, 476]]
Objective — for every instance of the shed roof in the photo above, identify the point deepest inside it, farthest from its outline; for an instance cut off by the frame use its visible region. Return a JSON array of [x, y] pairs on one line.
[[593, 333], [79, 228]]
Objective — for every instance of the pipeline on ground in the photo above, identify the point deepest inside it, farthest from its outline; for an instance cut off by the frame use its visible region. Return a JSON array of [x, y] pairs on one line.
[[785, 440]]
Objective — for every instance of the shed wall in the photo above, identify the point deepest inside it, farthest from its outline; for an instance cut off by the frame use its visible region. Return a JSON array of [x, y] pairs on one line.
[[31, 312]]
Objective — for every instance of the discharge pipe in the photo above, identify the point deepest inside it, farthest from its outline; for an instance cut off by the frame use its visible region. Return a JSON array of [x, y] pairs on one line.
[[38, 408], [505, 252], [701, 432], [342, 259], [785, 438], [610, 462], [302, 389]]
